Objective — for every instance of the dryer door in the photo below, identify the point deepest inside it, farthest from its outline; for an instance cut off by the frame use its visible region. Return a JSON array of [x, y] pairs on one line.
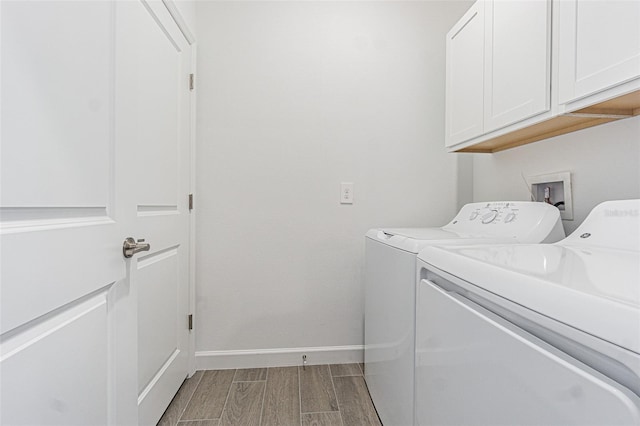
[[475, 368]]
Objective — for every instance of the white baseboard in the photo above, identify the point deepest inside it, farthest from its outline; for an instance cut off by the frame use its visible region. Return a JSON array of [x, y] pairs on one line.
[[280, 357]]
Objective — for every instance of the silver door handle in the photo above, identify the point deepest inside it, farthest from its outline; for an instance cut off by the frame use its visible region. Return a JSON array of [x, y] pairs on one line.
[[131, 247]]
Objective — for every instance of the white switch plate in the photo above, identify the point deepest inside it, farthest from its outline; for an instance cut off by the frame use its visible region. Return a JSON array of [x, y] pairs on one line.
[[346, 193]]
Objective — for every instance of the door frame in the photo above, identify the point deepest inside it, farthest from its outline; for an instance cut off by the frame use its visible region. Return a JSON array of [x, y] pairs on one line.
[[191, 40]]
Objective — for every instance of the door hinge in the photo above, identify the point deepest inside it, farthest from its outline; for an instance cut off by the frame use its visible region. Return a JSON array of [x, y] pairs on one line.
[[192, 81], [190, 321], [190, 202]]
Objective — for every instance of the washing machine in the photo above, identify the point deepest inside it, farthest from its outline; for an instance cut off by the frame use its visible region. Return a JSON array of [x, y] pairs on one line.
[[533, 334], [390, 282]]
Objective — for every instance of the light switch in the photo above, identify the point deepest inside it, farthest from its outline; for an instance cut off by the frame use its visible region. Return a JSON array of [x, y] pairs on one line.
[[346, 193]]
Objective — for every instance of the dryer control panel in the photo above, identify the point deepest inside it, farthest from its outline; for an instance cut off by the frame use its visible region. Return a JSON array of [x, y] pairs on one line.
[[524, 221]]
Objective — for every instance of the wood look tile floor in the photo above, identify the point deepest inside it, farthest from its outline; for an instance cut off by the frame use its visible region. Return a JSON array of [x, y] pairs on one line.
[[318, 395]]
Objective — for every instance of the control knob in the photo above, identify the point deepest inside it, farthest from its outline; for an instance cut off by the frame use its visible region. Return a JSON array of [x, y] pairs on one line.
[[509, 218], [490, 216], [473, 215]]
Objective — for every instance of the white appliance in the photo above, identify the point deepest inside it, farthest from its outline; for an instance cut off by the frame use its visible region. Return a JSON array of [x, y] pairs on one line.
[[533, 334], [390, 280]]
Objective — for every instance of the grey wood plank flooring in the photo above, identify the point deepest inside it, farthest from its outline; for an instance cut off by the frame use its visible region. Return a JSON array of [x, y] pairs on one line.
[[322, 419], [244, 404], [282, 398], [316, 389], [199, 423], [250, 375], [318, 395], [355, 404], [208, 400], [180, 401], [338, 370]]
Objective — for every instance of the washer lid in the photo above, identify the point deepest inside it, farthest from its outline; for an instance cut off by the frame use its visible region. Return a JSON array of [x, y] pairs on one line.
[[593, 289], [415, 239]]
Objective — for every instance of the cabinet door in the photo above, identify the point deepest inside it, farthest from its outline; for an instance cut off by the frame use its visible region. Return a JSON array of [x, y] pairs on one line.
[[517, 63], [599, 46], [464, 87]]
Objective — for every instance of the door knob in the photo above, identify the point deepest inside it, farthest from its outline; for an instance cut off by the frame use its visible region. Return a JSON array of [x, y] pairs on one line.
[[131, 247]]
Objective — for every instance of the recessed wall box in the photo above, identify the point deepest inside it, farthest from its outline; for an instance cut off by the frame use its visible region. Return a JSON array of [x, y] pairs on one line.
[[553, 188]]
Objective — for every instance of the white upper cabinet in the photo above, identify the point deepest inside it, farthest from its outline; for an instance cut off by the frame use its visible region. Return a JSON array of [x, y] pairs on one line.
[[498, 67], [527, 70], [599, 45], [464, 90], [517, 68]]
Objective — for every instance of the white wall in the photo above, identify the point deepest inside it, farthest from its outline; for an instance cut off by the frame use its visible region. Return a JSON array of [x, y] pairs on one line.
[[604, 162], [294, 98]]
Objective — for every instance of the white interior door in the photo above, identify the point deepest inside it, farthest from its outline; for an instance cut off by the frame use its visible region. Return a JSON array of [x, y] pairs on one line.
[[153, 115], [94, 131], [64, 357]]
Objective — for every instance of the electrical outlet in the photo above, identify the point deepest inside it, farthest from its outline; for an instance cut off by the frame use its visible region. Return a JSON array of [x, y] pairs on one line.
[[346, 193]]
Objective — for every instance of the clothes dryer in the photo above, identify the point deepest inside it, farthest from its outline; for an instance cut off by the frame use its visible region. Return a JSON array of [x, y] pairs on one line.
[[533, 334], [390, 280]]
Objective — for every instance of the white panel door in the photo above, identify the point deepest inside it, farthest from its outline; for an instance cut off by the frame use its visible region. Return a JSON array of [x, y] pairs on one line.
[[599, 45], [153, 107], [63, 278], [95, 148], [517, 67], [464, 77]]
